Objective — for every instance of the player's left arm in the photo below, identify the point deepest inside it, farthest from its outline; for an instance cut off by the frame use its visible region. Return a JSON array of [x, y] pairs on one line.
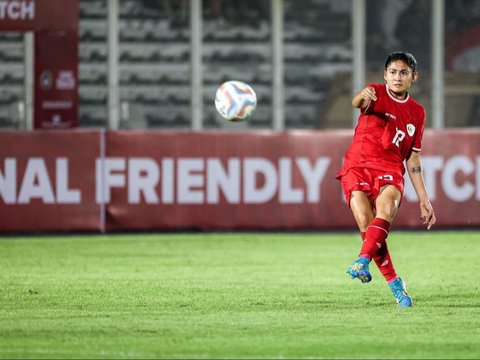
[[414, 168]]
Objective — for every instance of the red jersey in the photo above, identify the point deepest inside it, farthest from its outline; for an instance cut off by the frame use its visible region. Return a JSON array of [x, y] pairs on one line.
[[388, 130]]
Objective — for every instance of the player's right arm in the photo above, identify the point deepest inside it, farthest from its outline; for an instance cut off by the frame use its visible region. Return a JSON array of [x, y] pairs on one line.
[[362, 99]]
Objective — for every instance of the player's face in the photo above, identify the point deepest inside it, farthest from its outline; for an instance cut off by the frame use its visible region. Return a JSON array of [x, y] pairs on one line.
[[399, 77]]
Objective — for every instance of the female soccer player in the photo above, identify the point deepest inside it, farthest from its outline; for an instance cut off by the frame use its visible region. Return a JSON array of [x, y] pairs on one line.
[[389, 131]]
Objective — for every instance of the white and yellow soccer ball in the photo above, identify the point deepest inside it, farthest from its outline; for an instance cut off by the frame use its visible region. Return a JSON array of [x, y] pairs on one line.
[[235, 100]]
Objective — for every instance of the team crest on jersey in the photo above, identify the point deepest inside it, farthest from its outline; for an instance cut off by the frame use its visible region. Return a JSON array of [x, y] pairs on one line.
[[410, 129]]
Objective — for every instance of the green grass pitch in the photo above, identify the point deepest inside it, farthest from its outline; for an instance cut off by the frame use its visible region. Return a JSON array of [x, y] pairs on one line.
[[236, 295]]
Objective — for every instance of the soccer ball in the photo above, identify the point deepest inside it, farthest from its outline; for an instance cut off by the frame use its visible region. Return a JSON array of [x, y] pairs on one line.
[[235, 100]]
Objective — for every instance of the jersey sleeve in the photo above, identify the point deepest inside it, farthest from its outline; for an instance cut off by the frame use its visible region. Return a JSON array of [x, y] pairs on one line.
[[375, 106]]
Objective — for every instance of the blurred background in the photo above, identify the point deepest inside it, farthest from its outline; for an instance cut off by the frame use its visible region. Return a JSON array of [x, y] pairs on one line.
[[156, 64]]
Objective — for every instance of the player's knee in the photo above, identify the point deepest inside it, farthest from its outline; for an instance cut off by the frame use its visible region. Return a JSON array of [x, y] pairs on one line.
[[363, 220], [387, 211]]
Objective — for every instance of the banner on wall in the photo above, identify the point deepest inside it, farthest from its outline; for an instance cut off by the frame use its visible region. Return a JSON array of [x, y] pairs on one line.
[[46, 181], [130, 180], [55, 24], [33, 15], [56, 78]]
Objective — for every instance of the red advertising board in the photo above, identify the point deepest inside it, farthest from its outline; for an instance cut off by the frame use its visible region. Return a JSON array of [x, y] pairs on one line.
[[134, 180], [33, 15], [55, 23], [56, 78], [46, 181], [224, 180]]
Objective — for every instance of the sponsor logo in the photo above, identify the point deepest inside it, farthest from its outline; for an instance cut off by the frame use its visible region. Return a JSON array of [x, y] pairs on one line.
[[386, 177], [65, 80], [46, 80], [391, 116], [362, 183]]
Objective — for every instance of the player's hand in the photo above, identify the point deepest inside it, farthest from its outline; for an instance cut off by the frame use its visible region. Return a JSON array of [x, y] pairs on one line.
[[368, 94], [427, 214]]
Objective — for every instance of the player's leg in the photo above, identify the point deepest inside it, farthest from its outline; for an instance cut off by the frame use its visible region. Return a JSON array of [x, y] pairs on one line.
[[363, 213], [396, 284], [362, 210], [385, 264], [387, 204]]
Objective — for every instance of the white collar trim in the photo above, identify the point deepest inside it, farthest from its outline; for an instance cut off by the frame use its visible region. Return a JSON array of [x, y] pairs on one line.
[[394, 98]]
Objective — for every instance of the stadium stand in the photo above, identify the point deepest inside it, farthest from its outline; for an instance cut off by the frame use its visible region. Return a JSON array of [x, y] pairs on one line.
[[92, 87], [155, 69], [154, 65], [11, 80], [154, 58]]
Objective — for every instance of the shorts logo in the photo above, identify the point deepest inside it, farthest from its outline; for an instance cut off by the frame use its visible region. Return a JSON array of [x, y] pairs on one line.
[[410, 129], [386, 177]]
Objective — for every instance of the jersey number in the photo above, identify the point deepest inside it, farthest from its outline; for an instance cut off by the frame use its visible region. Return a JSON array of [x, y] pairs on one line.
[[399, 136]]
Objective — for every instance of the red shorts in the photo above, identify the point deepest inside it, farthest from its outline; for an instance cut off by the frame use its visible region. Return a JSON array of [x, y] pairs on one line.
[[369, 181]]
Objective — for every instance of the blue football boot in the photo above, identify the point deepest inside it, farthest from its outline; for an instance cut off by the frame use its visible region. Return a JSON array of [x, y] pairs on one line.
[[359, 270], [399, 290]]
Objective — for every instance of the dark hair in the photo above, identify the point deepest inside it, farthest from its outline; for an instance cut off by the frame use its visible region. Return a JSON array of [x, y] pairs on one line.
[[403, 56]]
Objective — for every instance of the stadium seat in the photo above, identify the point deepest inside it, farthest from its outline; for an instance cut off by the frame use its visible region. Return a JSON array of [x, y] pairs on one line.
[[93, 116]]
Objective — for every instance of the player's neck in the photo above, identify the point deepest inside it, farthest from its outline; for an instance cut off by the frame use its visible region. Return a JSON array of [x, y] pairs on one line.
[[398, 96]]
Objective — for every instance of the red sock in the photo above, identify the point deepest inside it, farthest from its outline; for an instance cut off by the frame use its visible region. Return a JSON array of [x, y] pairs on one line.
[[377, 232], [383, 261]]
